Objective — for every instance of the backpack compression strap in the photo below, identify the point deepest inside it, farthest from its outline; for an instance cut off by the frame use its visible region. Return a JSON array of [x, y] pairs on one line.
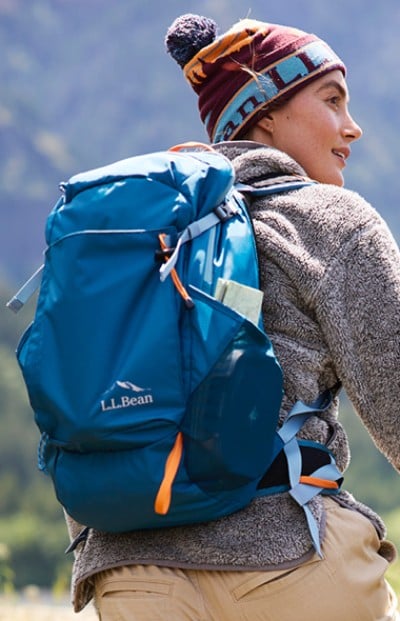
[[26, 291], [325, 479], [227, 209]]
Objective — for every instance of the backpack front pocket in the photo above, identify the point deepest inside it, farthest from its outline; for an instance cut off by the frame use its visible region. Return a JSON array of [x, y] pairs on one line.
[[232, 414], [102, 361]]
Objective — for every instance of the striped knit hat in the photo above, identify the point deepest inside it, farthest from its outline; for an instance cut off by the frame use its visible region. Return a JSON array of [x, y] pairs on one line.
[[237, 74]]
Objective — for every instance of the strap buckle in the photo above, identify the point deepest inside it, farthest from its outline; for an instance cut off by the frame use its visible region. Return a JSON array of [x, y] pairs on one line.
[[226, 210]]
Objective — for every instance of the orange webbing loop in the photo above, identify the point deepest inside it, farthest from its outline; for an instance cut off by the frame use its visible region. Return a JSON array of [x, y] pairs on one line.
[[316, 482], [191, 145], [163, 498], [174, 275]]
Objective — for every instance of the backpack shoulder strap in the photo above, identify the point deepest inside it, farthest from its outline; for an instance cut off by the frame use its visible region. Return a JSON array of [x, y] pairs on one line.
[[274, 185]]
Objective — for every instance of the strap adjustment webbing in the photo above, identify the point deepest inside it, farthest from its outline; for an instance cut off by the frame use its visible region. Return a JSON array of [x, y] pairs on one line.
[[323, 480]]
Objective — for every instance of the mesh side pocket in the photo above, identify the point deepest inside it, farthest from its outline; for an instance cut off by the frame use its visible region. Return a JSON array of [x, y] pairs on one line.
[[232, 414]]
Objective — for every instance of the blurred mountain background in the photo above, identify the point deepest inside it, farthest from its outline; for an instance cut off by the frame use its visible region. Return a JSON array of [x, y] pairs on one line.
[[87, 82]]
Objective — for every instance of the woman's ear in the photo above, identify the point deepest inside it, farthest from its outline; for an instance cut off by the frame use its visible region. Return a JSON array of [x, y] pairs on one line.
[[266, 123], [262, 131]]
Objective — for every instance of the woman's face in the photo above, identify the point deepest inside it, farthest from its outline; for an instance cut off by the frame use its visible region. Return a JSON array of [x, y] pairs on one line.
[[316, 129]]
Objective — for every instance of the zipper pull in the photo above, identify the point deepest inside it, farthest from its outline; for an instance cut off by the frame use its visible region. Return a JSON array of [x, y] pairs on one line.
[[164, 494]]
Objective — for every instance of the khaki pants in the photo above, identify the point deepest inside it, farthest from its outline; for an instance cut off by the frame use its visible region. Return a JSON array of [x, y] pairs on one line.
[[347, 585]]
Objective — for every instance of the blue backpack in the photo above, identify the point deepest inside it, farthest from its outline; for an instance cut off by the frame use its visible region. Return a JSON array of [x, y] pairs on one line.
[[157, 402]]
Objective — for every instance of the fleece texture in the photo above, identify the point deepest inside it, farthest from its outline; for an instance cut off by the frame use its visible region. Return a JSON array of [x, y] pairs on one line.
[[330, 273]]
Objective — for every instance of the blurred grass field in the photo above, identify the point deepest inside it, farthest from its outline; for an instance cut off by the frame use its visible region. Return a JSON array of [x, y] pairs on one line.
[[18, 609], [35, 605], [393, 525]]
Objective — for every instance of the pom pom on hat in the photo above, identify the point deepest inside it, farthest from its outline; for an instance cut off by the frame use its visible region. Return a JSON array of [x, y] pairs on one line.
[[188, 35], [237, 74]]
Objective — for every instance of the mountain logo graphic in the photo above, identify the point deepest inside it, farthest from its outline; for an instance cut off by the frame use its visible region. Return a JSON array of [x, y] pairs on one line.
[[130, 386]]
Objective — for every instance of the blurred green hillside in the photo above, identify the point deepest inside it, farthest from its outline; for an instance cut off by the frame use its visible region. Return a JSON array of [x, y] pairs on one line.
[[86, 82]]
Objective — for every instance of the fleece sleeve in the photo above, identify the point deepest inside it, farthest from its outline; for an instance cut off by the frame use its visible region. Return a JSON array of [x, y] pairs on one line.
[[358, 308]]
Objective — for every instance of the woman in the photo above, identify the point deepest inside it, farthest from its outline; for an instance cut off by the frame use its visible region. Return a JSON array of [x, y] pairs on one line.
[[275, 101]]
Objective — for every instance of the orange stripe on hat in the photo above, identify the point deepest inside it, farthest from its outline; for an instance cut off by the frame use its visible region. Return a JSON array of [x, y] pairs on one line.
[[232, 41]]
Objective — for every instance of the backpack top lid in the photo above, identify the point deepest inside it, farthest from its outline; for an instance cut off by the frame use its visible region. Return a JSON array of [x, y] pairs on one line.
[[196, 182]]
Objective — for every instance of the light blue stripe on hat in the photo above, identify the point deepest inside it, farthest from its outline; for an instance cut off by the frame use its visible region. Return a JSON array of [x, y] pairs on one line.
[[262, 88], [247, 101], [293, 68]]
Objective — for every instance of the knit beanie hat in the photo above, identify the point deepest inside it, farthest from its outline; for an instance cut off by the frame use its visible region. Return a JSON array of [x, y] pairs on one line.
[[237, 74]]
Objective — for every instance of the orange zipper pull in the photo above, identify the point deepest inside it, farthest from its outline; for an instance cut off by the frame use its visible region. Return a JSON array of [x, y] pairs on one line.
[[163, 498], [175, 278]]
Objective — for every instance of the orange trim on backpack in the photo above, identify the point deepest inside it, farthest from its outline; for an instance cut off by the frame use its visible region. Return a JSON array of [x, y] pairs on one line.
[[191, 144], [174, 275], [316, 482], [164, 494]]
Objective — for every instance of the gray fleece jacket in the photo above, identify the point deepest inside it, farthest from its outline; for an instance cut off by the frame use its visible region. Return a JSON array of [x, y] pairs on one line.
[[330, 272]]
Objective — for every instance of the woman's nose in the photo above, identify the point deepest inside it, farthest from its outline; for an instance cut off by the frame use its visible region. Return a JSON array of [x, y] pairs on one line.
[[352, 130]]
